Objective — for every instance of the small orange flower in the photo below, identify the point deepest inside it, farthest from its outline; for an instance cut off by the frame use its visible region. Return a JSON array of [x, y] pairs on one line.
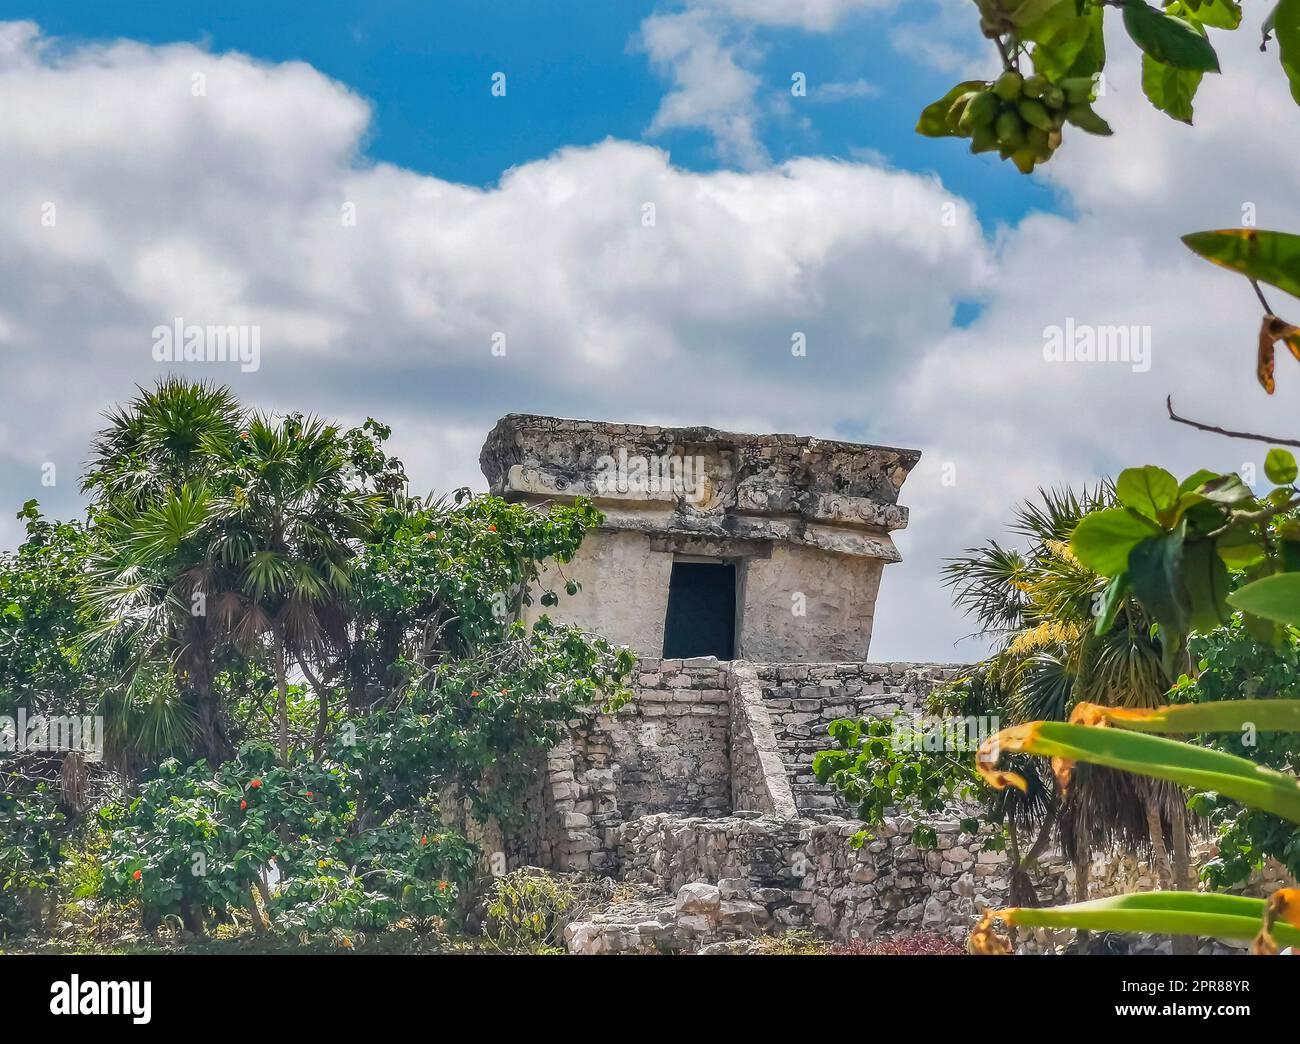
[[492, 529], [137, 875], [243, 805], [310, 794], [424, 840], [474, 695], [505, 692], [255, 784], [442, 886]]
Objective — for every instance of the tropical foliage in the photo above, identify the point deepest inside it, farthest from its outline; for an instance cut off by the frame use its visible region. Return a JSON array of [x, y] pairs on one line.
[[1053, 56], [311, 680]]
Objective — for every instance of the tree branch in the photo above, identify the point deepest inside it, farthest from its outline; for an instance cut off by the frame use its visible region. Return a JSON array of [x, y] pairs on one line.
[[1274, 440]]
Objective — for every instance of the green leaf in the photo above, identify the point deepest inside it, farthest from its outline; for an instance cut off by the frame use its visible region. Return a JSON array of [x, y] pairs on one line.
[[1092, 56], [1150, 491], [1269, 257], [1215, 716], [1155, 571], [1103, 539], [1111, 601], [934, 117], [1167, 913], [1206, 579], [1183, 763], [1226, 489], [1168, 39], [1196, 480], [1286, 25], [1218, 14], [1280, 467], [1275, 597], [1170, 90], [1059, 34]]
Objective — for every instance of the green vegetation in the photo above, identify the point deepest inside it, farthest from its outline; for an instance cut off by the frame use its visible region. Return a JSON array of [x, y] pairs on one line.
[[1053, 54], [310, 680]]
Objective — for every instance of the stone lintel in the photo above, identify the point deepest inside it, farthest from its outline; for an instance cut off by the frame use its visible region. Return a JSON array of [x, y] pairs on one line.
[[838, 496]]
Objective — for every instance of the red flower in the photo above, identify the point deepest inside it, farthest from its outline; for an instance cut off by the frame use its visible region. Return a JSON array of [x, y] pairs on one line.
[[255, 784], [424, 840], [137, 875], [243, 805], [310, 794], [442, 886], [505, 692], [474, 695], [492, 529]]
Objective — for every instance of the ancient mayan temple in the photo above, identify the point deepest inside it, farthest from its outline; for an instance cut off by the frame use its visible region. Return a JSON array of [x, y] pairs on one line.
[[743, 569], [754, 547]]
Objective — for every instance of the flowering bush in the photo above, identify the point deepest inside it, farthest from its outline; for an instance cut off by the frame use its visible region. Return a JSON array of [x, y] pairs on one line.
[[199, 842]]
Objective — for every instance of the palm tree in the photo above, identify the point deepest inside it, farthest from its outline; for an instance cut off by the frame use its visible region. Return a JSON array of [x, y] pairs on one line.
[[281, 540], [164, 438], [149, 498], [1039, 608], [225, 534]]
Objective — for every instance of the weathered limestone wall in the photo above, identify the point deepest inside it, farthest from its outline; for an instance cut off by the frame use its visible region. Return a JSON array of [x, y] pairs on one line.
[[666, 751], [624, 592], [834, 595], [803, 699], [806, 874]]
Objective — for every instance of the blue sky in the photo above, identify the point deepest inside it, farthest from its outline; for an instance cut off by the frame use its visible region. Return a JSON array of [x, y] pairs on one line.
[[575, 76]]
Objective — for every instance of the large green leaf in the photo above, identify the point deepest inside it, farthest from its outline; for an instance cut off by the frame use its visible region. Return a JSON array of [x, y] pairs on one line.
[[1169, 39], [1155, 571], [1149, 490], [1103, 539], [934, 117], [1205, 577], [1166, 913], [1275, 597], [1215, 716], [1170, 90], [1269, 257], [1201, 768], [1286, 25]]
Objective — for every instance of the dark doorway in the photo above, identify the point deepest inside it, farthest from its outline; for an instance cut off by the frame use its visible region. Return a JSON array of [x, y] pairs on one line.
[[701, 610]]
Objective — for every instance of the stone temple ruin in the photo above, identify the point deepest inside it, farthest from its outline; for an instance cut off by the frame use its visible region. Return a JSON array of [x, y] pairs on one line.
[[752, 547], [743, 569]]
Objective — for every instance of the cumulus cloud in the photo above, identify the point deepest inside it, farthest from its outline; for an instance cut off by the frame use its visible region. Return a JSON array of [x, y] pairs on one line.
[[707, 50], [615, 283], [627, 288]]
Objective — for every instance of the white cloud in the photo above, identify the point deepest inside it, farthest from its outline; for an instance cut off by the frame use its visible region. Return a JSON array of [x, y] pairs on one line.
[[227, 209], [706, 48], [710, 89]]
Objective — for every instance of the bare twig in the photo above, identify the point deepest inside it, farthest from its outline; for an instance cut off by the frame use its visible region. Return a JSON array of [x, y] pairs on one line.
[[1262, 299], [1273, 439]]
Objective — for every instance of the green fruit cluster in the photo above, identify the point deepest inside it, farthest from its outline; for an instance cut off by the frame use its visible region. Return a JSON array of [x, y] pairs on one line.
[[1021, 116]]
